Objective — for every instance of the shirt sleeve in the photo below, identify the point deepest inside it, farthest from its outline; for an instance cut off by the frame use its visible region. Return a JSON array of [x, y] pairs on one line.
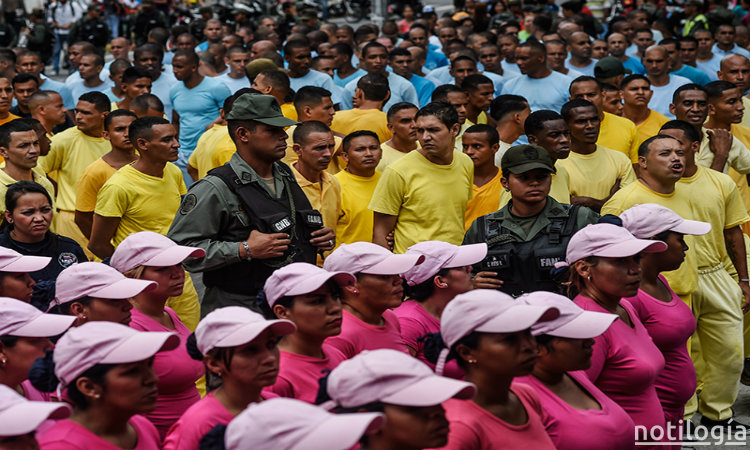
[[221, 92], [634, 143], [112, 200], [86, 193], [736, 214], [740, 160], [389, 193], [53, 160], [462, 437], [627, 175]]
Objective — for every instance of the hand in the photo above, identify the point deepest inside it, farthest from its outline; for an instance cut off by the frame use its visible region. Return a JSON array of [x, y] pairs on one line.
[[615, 187], [265, 246], [486, 280], [719, 141], [390, 240], [324, 239], [745, 286]]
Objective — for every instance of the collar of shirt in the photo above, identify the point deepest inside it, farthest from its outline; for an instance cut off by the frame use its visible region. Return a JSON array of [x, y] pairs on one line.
[[247, 174], [552, 209]]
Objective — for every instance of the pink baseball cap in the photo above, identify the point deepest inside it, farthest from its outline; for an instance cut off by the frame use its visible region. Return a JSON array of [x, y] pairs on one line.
[[288, 424], [147, 248], [93, 343], [301, 278], [608, 241], [647, 220], [19, 416], [12, 261], [440, 255], [18, 318], [97, 280], [369, 258], [234, 325], [393, 377], [573, 323]]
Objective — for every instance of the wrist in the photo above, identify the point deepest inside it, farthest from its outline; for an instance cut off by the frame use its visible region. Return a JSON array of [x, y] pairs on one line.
[[744, 280]]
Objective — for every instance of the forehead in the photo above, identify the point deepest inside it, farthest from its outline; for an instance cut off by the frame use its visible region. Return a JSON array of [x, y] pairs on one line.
[[25, 59], [665, 144], [162, 129], [584, 112], [585, 87], [637, 84], [375, 51], [473, 138], [17, 137], [120, 121], [456, 97], [429, 122], [554, 125], [693, 95], [362, 141], [407, 113], [318, 137]]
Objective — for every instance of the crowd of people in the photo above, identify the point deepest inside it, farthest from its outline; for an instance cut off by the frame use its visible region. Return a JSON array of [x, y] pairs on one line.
[[514, 225]]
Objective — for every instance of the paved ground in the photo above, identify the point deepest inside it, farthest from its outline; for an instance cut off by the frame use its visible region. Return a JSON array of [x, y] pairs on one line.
[[742, 414]]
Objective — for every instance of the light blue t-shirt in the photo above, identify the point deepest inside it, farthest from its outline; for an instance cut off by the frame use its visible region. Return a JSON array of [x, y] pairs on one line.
[[441, 75], [49, 84], [434, 59], [401, 90], [161, 88], [197, 108], [344, 81], [736, 50], [588, 70], [510, 68], [111, 95], [634, 65], [76, 76], [662, 97], [77, 88], [315, 78], [692, 74], [710, 67], [234, 84], [424, 88], [202, 47], [550, 92]]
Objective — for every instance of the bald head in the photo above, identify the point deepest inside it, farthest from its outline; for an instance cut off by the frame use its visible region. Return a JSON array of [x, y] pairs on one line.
[[736, 70], [655, 50], [656, 61], [260, 48]]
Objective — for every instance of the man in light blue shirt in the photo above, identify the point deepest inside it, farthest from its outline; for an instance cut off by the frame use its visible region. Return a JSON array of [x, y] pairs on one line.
[[676, 67], [540, 86], [150, 55], [579, 46], [433, 58], [706, 60], [236, 78], [725, 44], [212, 33], [298, 55], [90, 69], [663, 84], [400, 60]]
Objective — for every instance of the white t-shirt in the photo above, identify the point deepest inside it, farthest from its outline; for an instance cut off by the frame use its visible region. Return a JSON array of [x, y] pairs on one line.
[[663, 95]]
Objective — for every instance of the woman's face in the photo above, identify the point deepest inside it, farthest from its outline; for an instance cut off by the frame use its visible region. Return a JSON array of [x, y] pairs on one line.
[[529, 187], [458, 280], [317, 314], [18, 285], [255, 363], [672, 258], [616, 277], [106, 310], [411, 427], [380, 291], [566, 355], [171, 280], [131, 387], [19, 357], [31, 218], [502, 354]]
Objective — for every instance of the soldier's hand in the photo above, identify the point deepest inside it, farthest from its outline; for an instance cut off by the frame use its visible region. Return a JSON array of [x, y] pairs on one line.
[[324, 239], [486, 280], [264, 246]]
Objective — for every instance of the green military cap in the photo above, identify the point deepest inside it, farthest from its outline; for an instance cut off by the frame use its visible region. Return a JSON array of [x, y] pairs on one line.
[[522, 158], [608, 67], [261, 108]]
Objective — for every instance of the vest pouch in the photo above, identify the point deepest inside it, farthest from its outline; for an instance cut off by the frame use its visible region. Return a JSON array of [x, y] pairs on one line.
[[311, 219], [277, 223], [545, 259], [500, 261]]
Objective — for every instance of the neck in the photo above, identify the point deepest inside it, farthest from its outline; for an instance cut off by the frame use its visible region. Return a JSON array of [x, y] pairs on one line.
[[442, 159], [369, 104], [402, 145], [360, 172], [660, 186], [117, 90], [306, 345], [714, 122], [362, 310], [193, 80], [542, 72], [690, 168], [582, 148], [345, 70], [124, 103], [580, 61], [522, 209], [637, 114], [608, 302], [704, 55], [310, 174], [118, 157], [484, 173], [491, 389], [436, 303], [23, 108], [150, 305], [659, 80], [94, 132], [153, 168], [649, 274], [547, 376], [93, 82], [472, 113], [262, 167], [508, 132], [48, 125], [298, 73], [236, 396], [18, 173], [725, 47], [236, 76], [677, 67]]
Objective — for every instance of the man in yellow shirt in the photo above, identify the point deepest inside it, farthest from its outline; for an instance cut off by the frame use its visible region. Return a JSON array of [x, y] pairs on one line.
[[615, 132], [6, 98], [480, 91], [47, 107], [371, 94], [71, 152], [97, 173], [510, 113], [596, 172], [362, 151], [480, 144], [135, 81], [314, 145], [423, 195], [401, 123], [636, 93]]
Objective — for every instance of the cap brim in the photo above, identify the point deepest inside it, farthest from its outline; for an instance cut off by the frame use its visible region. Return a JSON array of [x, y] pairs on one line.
[[27, 264], [395, 264], [25, 417], [280, 121], [341, 431], [173, 255], [127, 288], [430, 391], [467, 255], [692, 227], [250, 331], [140, 346], [587, 325], [631, 247], [312, 283], [517, 318], [523, 168], [45, 325]]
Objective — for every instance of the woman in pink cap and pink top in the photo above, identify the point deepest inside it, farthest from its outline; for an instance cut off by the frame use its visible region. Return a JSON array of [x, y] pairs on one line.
[[150, 256], [239, 349], [24, 337], [404, 389], [444, 273], [15, 281], [107, 370], [487, 331], [570, 400], [668, 320], [368, 322], [605, 268], [309, 297], [20, 419]]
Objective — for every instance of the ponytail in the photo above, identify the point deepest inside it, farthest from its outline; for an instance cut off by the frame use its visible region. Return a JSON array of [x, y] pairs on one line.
[[42, 373], [192, 348]]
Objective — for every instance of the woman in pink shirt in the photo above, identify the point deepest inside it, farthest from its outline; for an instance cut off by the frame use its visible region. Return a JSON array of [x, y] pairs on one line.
[[107, 370], [368, 322], [308, 296], [668, 320], [605, 269], [571, 401], [153, 257], [444, 273], [404, 389], [238, 347], [487, 331]]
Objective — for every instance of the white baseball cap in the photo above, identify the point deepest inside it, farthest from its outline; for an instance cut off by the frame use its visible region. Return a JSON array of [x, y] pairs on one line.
[[234, 325], [440, 255], [573, 323], [647, 220], [369, 258], [19, 416]]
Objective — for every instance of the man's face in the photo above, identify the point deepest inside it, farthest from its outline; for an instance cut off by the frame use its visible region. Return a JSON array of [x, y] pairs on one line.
[[462, 69], [478, 42], [23, 91], [259, 83], [327, 66], [584, 124], [6, 95], [185, 43], [434, 137], [418, 37], [459, 100], [74, 54], [400, 65], [119, 48], [673, 56], [163, 145], [637, 93], [446, 34], [656, 63], [529, 60], [554, 137], [617, 44], [688, 148], [212, 32], [643, 40], [626, 29], [482, 96], [489, 57], [183, 68], [88, 68], [705, 41], [87, 117], [692, 107], [299, 60], [736, 69], [117, 132], [316, 151], [230, 41], [728, 108], [23, 150], [477, 147], [725, 36], [375, 60], [688, 52], [237, 62], [139, 87], [268, 23], [612, 102], [364, 154], [639, 21], [599, 49], [579, 45], [664, 161], [44, 140], [151, 62], [556, 55], [343, 35], [260, 48], [29, 64], [54, 111], [587, 90], [507, 47], [403, 126], [323, 112]]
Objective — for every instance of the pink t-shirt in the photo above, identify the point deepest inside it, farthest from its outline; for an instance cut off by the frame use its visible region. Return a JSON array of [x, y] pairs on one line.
[[609, 427], [417, 323], [625, 365], [299, 374], [357, 335], [68, 435], [176, 370], [670, 325], [474, 428]]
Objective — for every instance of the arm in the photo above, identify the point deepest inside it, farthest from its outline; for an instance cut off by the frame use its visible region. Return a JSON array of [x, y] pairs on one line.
[[176, 121], [719, 142], [593, 203], [735, 244], [193, 172], [102, 231], [84, 220], [382, 225]]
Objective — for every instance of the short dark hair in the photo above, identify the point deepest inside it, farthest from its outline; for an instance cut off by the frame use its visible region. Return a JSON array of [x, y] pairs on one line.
[[400, 106], [343, 48], [100, 101], [716, 89], [295, 44], [472, 82], [310, 96], [118, 113], [507, 104], [534, 45], [643, 149], [634, 77], [568, 107], [141, 128], [490, 132], [190, 55], [149, 47], [440, 94], [132, 74], [119, 65], [359, 133], [305, 129], [24, 78], [398, 51], [687, 87], [584, 79], [689, 130], [7, 55], [98, 59], [278, 79], [14, 126], [370, 45], [144, 102], [443, 111], [460, 58], [536, 120], [374, 86]]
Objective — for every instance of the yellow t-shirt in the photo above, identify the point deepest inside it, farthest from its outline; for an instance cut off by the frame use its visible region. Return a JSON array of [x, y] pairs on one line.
[[326, 198], [559, 190], [9, 118], [92, 180], [650, 127], [428, 199], [355, 219], [337, 163], [481, 119], [501, 149], [214, 148], [71, 152], [739, 155], [685, 279], [486, 200], [288, 110], [37, 175], [746, 117], [594, 175], [351, 120], [713, 198], [143, 202], [743, 134], [619, 133], [390, 156]]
